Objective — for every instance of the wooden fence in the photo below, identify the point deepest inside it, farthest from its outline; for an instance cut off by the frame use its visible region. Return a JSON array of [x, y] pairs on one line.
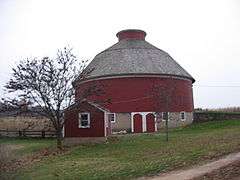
[[27, 133]]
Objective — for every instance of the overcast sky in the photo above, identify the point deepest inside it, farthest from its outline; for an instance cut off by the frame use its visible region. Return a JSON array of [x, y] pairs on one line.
[[202, 36]]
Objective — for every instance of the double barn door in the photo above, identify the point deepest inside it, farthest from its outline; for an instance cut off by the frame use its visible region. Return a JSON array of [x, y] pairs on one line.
[[141, 125]]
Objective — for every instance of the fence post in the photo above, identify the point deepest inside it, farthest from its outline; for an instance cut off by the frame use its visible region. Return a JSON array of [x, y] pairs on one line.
[[24, 133], [20, 133], [43, 134]]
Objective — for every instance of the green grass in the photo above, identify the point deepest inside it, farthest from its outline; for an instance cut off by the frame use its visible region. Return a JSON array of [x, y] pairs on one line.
[[27, 146], [139, 155]]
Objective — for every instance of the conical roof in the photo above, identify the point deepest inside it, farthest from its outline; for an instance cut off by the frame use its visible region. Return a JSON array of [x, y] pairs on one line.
[[132, 55]]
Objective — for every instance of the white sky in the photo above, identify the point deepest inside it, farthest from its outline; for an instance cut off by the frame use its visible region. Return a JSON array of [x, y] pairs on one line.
[[203, 36]]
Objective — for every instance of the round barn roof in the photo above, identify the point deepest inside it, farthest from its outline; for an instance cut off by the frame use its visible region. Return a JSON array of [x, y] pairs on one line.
[[132, 55]]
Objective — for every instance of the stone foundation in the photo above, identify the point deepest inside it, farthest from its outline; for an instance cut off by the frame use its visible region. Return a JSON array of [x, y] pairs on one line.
[[122, 122], [71, 141], [175, 121]]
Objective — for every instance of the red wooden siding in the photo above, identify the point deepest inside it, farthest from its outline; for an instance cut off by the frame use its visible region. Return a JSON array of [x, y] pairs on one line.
[[96, 122], [133, 94], [137, 123], [150, 121]]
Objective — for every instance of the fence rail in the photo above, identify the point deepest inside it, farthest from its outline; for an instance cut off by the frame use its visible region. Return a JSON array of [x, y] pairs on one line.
[[27, 133]]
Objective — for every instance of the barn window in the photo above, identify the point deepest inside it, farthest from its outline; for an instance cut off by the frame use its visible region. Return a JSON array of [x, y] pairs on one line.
[[112, 117], [183, 116], [84, 120], [165, 116], [158, 116]]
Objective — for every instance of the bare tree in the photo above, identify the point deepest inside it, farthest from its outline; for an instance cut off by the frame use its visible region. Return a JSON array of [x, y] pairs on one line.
[[163, 98], [47, 82]]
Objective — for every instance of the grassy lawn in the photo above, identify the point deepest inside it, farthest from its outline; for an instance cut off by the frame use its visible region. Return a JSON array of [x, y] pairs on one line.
[[134, 156], [27, 146]]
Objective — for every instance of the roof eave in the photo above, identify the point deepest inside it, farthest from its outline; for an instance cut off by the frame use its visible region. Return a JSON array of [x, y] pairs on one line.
[[92, 78]]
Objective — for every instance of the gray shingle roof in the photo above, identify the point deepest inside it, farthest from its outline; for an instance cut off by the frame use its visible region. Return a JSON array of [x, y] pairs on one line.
[[132, 57]]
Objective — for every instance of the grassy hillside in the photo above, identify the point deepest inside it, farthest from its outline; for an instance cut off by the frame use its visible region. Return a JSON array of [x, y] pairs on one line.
[[132, 156]]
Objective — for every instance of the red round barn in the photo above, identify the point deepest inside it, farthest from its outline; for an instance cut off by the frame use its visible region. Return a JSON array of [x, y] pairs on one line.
[[130, 73], [139, 78]]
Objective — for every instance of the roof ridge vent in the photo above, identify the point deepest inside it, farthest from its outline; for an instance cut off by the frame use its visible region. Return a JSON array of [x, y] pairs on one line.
[[131, 34]]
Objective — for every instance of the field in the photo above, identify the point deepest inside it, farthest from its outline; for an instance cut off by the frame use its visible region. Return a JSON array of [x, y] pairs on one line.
[[128, 156]]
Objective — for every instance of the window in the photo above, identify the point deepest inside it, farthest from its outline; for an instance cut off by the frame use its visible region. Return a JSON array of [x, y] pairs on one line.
[[165, 116], [158, 116], [182, 116], [84, 120], [112, 117]]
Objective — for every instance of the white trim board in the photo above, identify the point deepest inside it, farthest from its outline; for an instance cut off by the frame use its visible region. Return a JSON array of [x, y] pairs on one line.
[[78, 82]]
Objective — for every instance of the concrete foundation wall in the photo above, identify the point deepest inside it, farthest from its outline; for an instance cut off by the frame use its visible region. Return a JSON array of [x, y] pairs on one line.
[[71, 141]]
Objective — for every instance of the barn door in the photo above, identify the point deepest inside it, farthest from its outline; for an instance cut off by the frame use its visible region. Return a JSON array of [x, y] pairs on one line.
[[150, 121], [137, 123]]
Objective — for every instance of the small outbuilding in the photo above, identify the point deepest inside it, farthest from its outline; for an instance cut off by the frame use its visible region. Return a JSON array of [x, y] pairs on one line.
[[86, 121]]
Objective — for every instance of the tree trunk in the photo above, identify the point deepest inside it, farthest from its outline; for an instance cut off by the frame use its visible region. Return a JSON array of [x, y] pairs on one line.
[[59, 139]]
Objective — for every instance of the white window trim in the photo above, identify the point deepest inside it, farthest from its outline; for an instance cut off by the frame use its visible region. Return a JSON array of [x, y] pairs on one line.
[[114, 114], [161, 119], [168, 116], [79, 120], [181, 115]]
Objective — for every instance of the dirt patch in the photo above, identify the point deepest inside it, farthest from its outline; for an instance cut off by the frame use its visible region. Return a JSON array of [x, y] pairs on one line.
[[232, 171]]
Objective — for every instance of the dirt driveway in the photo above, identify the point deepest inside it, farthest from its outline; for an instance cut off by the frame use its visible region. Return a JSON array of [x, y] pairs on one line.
[[226, 168], [230, 172]]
